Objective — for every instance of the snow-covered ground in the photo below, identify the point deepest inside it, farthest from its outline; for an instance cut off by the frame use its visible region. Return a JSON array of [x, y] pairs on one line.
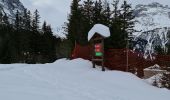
[[73, 80]]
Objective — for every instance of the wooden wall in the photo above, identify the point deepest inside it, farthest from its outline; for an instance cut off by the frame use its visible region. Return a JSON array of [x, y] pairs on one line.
[[115, 59]]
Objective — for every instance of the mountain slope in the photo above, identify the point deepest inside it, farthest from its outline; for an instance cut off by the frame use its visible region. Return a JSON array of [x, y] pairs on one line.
[[152, 24], [152, 16], [10, 7]]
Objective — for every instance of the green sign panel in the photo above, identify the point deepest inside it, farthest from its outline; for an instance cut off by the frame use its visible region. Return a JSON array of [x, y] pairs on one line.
[[98, 54]]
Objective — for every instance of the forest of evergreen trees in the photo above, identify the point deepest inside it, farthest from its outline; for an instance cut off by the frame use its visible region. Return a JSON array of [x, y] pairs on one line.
[[118, 16], [22, 40], [85, 15]]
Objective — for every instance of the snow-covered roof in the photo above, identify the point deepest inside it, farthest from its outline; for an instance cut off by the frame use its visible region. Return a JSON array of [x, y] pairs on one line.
[[100, 29]]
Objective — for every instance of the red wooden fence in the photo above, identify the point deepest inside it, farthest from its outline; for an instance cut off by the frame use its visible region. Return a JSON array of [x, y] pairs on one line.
[[116, 59]]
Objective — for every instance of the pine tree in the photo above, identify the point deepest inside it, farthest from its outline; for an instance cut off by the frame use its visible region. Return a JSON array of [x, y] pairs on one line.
[[17, 43], [73, 25], [88, 10], [5, 20], [36, 21], [106, 13], [127, 19], [24, 19], [1, 18], [26, 44], [122, 25], [49, 30], [28, 21], [44, 27], [114, 41], [97, 12], [168, 45], [85, 21], [49, 42], [115, 7], [17, 21]]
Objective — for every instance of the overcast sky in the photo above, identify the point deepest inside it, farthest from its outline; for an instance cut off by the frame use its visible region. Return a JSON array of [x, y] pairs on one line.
[[55, 11]]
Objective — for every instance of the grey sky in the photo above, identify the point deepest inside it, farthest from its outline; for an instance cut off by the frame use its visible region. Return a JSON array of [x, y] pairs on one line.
[[53, 11]]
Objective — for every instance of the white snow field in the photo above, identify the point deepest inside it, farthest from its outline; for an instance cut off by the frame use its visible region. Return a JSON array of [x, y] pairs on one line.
[[73, 80]]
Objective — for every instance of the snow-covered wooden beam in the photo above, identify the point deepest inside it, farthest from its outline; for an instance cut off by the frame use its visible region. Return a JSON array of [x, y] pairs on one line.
[[100, 29]]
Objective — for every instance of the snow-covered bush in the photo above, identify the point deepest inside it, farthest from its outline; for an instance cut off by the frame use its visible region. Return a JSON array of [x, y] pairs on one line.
[[165, 80], [160, 78]]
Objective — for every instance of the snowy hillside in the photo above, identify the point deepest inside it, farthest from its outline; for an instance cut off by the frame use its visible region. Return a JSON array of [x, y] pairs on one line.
[[10, 7], [152, 16], [153, 25], [73, 80]]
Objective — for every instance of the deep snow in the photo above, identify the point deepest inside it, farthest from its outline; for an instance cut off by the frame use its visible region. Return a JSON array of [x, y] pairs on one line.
[[73, 80]]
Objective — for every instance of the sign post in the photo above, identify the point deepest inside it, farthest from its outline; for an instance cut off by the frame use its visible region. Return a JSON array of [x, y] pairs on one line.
[[96, 36], [98, 52]]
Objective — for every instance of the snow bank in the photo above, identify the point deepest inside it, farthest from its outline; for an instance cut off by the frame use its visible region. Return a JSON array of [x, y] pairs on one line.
[[100, 29], [154, 78], [73, 80], [152, 71], [154, 68]]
